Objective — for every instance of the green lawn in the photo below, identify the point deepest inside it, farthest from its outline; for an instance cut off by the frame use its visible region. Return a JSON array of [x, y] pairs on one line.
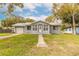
[[5, 34], [25, 45], [64, 44], [18, 45]]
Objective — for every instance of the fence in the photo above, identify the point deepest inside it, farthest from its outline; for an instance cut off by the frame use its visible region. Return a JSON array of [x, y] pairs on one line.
[[5, 30]]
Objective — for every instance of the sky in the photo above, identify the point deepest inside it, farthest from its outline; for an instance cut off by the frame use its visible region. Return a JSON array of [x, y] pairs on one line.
[[37, 11]]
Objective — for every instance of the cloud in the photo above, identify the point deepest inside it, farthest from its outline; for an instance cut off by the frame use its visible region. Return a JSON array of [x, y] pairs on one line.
[[42, 17], [48, 5], [18, 9], [4, 9], [29, 6], [33, 13], [25, 14], [33, 6]]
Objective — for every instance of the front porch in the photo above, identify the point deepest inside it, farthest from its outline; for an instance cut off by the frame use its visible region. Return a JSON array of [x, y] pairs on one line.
[[38, 29]]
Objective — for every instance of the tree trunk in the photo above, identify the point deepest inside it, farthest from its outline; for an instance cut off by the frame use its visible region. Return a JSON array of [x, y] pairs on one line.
[[73, 25]]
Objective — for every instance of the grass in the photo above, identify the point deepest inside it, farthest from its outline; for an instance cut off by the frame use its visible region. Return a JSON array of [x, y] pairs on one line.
[[64, 44], [25, 45], [19, 45], [5, 34]]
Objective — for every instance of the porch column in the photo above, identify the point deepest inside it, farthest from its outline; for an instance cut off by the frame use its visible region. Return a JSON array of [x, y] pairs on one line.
[[43, 28], [31, 29], [25, 29], [37, 28], [59, 29], [48, 28]]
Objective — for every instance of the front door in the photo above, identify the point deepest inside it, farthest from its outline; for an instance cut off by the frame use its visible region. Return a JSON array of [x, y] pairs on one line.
[[40, 29]]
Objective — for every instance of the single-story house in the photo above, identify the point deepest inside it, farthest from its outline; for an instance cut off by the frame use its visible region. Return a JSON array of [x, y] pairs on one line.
[[69, 30], [38, 27]]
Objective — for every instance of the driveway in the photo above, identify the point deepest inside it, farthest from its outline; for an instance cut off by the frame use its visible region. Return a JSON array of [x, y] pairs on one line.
[[3, 37]]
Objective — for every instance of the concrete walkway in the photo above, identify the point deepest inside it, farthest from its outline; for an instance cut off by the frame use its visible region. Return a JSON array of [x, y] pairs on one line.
[[3, 37], [41, 42]]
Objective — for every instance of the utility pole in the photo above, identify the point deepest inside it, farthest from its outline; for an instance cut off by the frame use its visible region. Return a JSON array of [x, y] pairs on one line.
[[73, 20]]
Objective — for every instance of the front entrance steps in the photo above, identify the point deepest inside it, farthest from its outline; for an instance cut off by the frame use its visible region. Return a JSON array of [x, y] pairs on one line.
[[41, 42]]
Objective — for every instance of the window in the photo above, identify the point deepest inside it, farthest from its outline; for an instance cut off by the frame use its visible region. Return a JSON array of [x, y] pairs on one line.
[[35, 27], [28, 27], [69, 29], [54, 27], [45, 27]]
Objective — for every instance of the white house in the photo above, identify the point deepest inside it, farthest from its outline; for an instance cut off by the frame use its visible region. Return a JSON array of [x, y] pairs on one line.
[[69, 30], [38, 27]]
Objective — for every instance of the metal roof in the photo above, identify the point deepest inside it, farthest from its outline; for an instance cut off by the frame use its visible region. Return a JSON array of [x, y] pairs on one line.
[[21, 24]]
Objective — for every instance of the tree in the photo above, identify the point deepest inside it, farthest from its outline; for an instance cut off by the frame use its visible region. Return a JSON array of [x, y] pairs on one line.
[[49, 19], [29, 20], [8, 22], [10, 7], [52, 17], [69, 14]]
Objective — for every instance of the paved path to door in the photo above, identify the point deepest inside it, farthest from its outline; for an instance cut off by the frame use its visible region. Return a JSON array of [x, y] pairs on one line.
[[3, 37], [41, 42]]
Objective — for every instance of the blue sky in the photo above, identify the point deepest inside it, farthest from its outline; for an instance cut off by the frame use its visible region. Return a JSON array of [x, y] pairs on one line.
[[1, 16], [37, 11]]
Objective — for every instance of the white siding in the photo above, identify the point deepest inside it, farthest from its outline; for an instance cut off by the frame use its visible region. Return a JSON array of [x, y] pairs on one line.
[[77, 30], [68, 30], [42, 28], [55, 31]]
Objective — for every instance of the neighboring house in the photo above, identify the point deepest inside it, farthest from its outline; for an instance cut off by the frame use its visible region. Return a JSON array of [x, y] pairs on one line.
[[69, 30], [39, 27]]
